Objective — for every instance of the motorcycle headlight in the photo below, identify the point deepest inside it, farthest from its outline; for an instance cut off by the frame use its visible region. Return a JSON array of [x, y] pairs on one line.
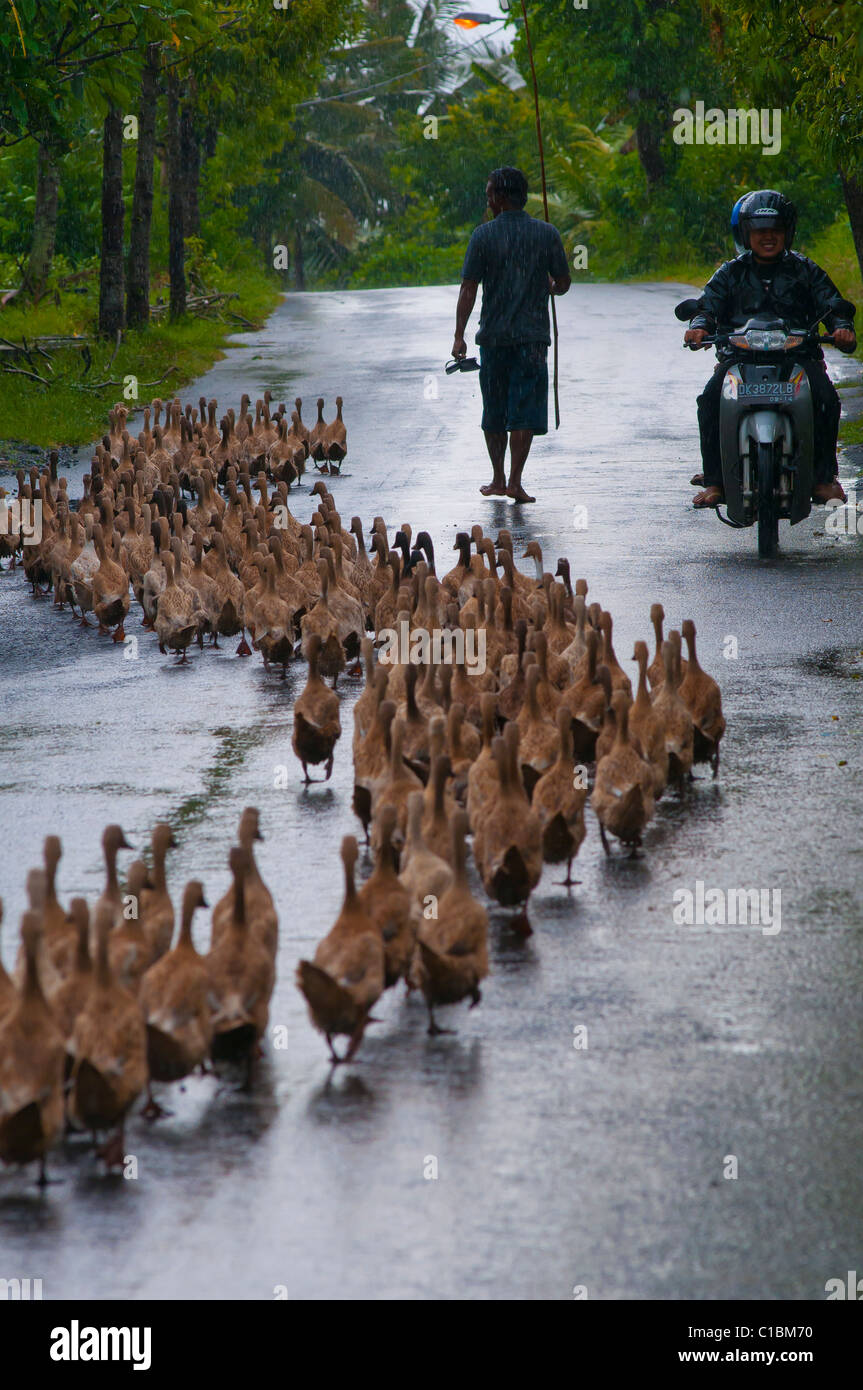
[[766, 339]]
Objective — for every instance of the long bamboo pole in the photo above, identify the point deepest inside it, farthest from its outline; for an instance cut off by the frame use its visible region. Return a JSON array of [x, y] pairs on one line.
[[544, 201]]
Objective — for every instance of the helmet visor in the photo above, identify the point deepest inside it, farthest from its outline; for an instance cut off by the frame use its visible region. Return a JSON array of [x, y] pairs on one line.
[[764, 221]]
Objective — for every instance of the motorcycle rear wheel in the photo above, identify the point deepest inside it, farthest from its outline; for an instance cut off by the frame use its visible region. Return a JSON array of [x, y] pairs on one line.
[[768, 518]]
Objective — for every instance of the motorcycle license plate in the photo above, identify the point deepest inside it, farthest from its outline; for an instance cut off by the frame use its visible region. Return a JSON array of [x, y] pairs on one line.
[[767, 390]]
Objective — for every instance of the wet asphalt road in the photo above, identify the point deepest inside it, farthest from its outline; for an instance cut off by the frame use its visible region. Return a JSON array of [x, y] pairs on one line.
[[601, 1167]]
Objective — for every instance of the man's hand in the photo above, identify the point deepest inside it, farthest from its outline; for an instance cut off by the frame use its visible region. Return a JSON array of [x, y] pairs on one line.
[[694, 337], [459, 347], [845, 338]]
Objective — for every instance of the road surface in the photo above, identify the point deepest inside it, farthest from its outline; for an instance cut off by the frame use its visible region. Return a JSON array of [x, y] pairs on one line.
[[606, 1167]]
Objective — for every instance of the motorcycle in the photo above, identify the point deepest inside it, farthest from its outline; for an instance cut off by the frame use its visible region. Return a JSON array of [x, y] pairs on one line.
[[766, 424]]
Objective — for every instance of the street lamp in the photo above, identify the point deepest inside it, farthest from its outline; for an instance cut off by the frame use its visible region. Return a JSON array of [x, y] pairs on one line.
[[471, 19]]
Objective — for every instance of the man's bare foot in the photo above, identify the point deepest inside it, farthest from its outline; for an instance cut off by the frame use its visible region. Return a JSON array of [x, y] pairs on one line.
[[494, 490], [697, 480], [710, 497], [519, 494], [829, 492]]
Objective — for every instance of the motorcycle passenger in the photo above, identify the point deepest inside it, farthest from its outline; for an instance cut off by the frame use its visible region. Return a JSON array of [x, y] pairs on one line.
[[770, 278]]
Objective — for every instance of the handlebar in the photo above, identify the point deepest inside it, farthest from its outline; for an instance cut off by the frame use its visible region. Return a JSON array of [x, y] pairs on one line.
[[792, 333]]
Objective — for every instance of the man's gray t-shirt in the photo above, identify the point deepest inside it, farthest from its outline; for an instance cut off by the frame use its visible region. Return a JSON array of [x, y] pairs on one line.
[[512, 257]]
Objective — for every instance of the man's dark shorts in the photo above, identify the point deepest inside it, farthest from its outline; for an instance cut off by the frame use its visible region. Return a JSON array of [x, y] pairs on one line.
[[514, 384]]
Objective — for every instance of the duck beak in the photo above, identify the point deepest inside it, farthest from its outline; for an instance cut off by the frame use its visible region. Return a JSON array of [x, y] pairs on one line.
[[204, 902], [258, 835], [124, 844]]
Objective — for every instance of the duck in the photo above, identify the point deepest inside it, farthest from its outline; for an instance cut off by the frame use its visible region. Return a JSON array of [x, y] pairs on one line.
[[32, 1062], [391, 905], [656, 671], [508, 835], [425, 874], [676, 721], [395, 788], [109, 1049], [451, 957], [178, 614], [558, 800], [319, 619], [539, 741], [619, 679], [110, 590], [586, 701], [646, 726], [128, 947], [273, 620], [317, 727], [113, 840], [703, 698], [156, 908], [335, 440], [317, 435], [622, 795], [69, 999], [174, 1000], [346, 978], [240, 976]]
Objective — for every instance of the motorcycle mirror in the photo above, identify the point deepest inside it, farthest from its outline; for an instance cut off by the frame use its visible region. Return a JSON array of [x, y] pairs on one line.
[[687, 308]]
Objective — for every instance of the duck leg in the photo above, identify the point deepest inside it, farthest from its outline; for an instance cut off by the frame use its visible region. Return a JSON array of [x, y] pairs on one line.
[[434, 1029], [112, 1151], [604, 838], [569, 881], [715, 762]]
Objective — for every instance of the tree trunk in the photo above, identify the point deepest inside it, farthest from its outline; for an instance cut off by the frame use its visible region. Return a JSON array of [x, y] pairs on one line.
[[44, 220], [176, 250], [853, 190], [299, 264], [113, 213], [191, 156], [647, 138], [138, 280]]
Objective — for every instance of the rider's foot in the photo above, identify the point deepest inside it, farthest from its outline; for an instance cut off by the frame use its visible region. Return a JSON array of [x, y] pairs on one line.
[[697, 480], [710, 497], [519, 494], [494, 488], [829, 492]]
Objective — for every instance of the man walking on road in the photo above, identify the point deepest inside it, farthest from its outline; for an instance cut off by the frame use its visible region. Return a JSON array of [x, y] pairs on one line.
[[519, 261]]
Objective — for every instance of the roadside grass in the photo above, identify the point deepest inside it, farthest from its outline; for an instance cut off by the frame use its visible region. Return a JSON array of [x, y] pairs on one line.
[[68, 411]]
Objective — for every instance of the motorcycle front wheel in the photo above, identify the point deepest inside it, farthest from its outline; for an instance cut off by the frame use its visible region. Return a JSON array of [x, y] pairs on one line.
[[768, 518]]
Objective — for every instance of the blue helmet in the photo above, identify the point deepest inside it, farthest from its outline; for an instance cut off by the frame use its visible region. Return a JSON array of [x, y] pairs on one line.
[[739, 248], [767, 208]]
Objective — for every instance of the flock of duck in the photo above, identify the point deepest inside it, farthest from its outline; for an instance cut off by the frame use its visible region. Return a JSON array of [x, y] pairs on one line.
[[195, 520], [101, 1005]]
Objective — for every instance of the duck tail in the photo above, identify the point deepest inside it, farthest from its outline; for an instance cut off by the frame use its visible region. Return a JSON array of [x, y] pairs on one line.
[[326, 998]]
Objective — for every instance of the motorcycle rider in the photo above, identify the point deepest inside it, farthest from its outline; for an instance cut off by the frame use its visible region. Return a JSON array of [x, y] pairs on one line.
[[770, 277]]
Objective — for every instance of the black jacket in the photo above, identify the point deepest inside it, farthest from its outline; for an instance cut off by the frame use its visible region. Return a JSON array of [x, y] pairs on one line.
[[800, 292]]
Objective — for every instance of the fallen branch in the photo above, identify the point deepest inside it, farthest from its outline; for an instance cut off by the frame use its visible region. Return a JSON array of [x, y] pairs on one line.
[[21, 371], [101, 385]]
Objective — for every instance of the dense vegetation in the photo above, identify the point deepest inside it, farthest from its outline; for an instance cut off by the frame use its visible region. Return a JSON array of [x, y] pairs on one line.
[[155, 159]]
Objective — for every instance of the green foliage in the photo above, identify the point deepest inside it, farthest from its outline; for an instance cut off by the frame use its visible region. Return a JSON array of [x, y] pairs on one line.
[[809, 57]]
